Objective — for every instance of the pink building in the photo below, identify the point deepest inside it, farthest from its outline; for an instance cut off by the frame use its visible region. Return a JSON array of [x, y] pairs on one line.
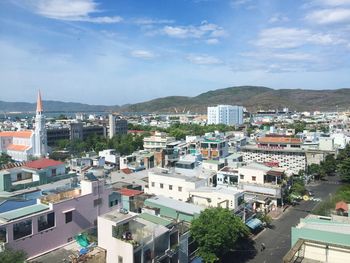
[[55, 219]]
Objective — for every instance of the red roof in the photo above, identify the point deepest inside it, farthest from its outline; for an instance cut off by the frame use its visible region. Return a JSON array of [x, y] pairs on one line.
[[17, 134], [43, 163], [18, 148], [342, 205], [129, 192], [126, 171]]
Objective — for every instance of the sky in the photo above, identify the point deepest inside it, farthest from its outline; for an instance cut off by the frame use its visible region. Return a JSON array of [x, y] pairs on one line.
[[114, 52]]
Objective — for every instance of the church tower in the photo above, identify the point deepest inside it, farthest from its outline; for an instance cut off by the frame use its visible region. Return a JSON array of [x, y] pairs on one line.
[[40, 136]]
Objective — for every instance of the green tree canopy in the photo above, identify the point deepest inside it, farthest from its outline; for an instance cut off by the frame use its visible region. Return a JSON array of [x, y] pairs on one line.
[[216, 231], [12, 256]]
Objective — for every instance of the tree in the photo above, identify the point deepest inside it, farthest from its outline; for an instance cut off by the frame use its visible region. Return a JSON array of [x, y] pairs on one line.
[[12, 256], [344, 170], [217, 231], [5, 158]]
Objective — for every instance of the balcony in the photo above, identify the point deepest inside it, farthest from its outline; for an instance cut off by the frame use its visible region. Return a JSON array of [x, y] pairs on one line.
[[56, 198]]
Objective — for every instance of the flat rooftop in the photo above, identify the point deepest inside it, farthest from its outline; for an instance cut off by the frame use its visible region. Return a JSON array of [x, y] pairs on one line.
[[180, 206]]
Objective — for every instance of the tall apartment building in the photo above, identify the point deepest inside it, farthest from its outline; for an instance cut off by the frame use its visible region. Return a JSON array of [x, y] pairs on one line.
[[117, 125], [225, 114]]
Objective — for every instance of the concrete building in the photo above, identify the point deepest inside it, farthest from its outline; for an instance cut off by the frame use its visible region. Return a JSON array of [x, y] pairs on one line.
[[320, 239], [283, 152], [225, 114], [139, 238], [214, 146], [117, 125], [173, 185], [55, 220], [111, 156], [217, 197], [157, 142]]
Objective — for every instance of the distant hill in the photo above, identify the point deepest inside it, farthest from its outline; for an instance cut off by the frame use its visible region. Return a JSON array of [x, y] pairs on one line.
[[53, 106], [252, 97]]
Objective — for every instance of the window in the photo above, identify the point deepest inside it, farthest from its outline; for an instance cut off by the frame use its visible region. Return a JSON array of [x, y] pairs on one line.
[[69, 216], [54, 172], [152, 184], [46, 221], [241, 176], [120, 259], [253, 178], [22, 229], [170, 187], [3, 235], [179, 188], [97, 202], [161, 186]]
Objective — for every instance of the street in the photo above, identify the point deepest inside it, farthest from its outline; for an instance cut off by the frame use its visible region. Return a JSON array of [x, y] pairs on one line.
[[277, 239]]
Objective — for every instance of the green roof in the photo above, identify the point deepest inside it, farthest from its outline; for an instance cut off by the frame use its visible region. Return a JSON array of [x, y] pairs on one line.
[[212, 161], [155, 219], [24, 211]]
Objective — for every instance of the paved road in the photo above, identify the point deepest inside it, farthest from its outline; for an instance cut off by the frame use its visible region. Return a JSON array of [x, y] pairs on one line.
[[277, 239]]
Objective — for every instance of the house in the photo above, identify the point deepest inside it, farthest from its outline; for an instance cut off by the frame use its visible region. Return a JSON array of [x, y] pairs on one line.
[[342, 208], [171, 208], [55, 219], [171, 184], [217, 197], [320, 239], [136, 238]]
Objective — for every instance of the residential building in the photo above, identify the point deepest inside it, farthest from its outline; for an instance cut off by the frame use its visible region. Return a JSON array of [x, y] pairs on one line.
[[226, 197], [173, 185], [320, 239], [171, 208], [111, 156], [137, 161], [157, 142], [214, 146], [284, 152], [137, 238], [225, 114], [55, 220], [117, 125]]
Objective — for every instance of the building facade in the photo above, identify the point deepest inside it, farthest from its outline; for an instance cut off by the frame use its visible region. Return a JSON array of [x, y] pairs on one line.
[[225, 114]]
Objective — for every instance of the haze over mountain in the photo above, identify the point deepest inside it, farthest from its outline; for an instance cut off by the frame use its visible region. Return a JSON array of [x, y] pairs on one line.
[[252, 97]]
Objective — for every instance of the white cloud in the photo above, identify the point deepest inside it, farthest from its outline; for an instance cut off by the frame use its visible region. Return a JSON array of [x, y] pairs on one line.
[[206, 29], [278, 18], [333, 2], [149, 21], [144, 54], [329, 16], [203, 60], [282, 37], [236, 3], [68, 10], [285, 56], [212, 41]]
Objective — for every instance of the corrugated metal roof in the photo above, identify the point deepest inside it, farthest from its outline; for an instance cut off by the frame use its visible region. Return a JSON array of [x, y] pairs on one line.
[[155, 219], [21, 212]]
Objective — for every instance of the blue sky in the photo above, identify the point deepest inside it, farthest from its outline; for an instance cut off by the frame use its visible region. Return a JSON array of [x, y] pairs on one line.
[[118, 51]]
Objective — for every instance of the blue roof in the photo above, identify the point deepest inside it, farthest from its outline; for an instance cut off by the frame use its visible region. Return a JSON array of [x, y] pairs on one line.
[[253, 223], [9, 205]]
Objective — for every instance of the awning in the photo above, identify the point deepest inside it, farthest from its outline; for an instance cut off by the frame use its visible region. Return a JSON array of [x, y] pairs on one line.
[[253, 223]]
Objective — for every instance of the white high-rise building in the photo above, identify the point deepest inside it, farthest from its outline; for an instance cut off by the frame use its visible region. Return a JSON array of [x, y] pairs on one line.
[[225, 114], [40, 135]]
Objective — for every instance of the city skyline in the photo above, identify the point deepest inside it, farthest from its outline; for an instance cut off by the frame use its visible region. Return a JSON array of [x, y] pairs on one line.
[[99, 52]]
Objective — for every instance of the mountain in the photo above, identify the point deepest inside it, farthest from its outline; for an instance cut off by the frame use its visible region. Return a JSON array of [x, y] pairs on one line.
[[52, 106], [252, 97]]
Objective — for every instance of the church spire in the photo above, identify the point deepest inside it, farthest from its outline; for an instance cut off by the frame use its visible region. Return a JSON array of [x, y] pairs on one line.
[[39, 103]]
